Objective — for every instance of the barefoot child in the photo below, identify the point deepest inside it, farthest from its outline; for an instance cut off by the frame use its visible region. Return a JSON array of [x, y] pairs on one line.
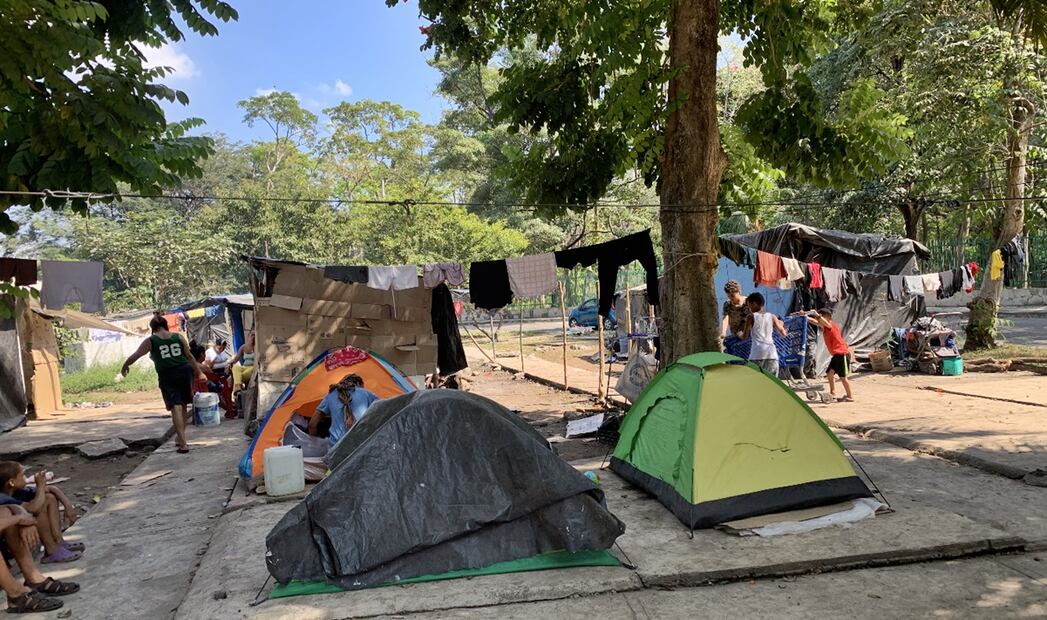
[[43, 505], [761, 325], [839, 365]]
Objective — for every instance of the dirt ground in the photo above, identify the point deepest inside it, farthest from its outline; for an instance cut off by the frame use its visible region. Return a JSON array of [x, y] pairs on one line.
[[88, 480]]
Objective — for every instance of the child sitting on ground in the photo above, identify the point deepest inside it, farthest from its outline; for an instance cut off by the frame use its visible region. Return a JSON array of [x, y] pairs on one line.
[[761, 325], [42, 503], [840, 364], [18, 538]]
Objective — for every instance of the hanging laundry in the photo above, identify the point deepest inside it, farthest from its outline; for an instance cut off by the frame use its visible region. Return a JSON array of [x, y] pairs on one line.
[[769, 269], [489, 285], [68, 282], [816, 275], [612, 255], [996, 265], [1013, 254], [450, 354], [23, 270], [736, 252], [531, 276], [351, 275], [932, 282], [914, 285], [397, 278], [948, 288], [835, 287], [896, 289], [793, 273], [435, 274], [852, 281]]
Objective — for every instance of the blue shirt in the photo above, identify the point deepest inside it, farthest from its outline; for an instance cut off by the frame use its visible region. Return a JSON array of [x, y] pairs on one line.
[[332, 407]]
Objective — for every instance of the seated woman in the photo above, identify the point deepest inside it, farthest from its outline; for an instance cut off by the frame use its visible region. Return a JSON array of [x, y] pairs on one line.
[[245, 355], [345, 404]]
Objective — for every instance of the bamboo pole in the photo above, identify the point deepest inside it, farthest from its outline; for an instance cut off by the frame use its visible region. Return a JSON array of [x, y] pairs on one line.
[[494, 348], [563, 317], [628, 322]]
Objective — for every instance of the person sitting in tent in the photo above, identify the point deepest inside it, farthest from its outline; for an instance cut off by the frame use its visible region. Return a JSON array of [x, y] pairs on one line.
[[735, 310], [244, 355], [41, 502], [175, 368], [761, 325], [18, 539], [345, 403], [839, 364]]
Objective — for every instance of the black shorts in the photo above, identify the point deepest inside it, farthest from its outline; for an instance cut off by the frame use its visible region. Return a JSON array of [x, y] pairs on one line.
[[841, 365], [176, 385]]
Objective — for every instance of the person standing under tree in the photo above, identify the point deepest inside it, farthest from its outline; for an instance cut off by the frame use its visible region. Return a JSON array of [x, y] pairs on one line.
[[761, 325], [735, 311], [839, 364], [175, 368]]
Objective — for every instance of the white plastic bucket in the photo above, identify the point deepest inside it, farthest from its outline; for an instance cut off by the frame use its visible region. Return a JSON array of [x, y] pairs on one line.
[[284, 470], [205, 409]]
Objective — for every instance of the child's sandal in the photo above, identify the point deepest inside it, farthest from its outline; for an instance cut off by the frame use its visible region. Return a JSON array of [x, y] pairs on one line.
[[53, 587], [32, 603]]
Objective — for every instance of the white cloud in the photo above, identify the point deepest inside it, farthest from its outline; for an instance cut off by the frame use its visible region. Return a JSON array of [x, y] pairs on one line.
[[167, 55], [338, 88]]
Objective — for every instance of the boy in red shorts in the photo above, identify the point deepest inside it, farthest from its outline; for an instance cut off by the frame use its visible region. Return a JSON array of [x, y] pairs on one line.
[[840, 363]]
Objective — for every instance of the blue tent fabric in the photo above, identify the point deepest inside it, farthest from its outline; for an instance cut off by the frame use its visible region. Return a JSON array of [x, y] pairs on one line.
[[776, 301]]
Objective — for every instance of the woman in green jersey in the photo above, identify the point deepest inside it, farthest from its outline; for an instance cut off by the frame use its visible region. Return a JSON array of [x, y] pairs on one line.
[[174, 368]]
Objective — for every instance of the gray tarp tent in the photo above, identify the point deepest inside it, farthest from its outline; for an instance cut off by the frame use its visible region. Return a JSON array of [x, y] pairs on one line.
[[13, 400], [866, 320], [432, 482]]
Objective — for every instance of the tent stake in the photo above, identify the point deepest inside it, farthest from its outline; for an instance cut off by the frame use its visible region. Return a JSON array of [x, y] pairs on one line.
[[563, 318]]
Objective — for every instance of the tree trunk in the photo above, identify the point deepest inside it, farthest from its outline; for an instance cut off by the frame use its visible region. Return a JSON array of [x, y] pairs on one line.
[[981, 326], [911, 213], [692, 164]]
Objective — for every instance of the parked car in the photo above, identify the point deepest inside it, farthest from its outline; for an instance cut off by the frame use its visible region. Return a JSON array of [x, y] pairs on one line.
[[587, 315]]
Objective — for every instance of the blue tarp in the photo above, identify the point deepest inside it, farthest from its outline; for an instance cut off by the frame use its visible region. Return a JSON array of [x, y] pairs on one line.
[[791, 347], [776, 301]]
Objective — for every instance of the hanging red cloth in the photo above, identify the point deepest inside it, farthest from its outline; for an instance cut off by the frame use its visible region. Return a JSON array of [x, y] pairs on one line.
[[769, 269], [346, 356]]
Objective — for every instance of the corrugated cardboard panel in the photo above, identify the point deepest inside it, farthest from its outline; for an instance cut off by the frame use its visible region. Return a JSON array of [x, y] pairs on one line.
[[412, 314], [286, 302], [299, 281], [322, 307], [369, 311], [267, 315]]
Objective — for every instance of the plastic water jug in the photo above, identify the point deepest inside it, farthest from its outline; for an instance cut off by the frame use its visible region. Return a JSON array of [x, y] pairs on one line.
[[284, 471], [205, 409]]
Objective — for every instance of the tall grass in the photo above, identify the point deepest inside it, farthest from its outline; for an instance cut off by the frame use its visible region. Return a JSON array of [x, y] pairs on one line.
[[101, 378]]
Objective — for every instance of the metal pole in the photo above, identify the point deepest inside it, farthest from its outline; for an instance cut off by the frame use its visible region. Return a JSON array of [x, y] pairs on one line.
[[521, 344]]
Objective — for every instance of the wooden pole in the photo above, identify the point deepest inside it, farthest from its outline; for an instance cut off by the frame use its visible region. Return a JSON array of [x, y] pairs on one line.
[[494, 349], [563, 318], [521, 343], [599, 346], [628, 322]]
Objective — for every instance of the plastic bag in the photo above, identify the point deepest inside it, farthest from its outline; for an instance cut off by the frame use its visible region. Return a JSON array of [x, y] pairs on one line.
[[637, 373]]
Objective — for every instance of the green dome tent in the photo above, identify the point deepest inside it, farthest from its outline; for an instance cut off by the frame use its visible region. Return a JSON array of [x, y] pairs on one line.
[[716, 439]]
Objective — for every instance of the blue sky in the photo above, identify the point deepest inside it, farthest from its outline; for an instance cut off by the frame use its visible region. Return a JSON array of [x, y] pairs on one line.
[[324, 51]]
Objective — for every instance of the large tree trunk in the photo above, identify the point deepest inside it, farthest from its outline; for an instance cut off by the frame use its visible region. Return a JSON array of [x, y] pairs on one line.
[[911, 212], [692, 164], [981, 326]]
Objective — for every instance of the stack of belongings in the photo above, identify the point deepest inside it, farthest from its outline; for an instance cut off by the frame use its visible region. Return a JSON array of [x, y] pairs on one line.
[[439, 484]]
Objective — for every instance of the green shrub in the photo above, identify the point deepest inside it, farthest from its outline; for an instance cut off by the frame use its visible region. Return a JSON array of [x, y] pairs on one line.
[[101, 378]]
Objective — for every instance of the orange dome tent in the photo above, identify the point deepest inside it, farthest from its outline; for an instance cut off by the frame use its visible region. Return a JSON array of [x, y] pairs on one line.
[[309, 388]]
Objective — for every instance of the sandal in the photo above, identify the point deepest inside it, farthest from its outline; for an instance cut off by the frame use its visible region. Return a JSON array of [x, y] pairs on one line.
[[74, 546], [182, 450], [61, 555], [53, 587], [31, 603]]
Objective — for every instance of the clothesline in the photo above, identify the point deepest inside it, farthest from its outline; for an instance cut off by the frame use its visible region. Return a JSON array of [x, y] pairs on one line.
[[783, 272]]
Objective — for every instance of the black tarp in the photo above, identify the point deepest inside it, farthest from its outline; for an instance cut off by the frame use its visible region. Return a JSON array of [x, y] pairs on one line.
[[435, 481], [866, 319], [12, 382]]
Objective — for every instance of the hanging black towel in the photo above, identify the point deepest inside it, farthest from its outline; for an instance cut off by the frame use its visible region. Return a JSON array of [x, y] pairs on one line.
[[450, 354], [612, 255], [489, 286], [352, 275]]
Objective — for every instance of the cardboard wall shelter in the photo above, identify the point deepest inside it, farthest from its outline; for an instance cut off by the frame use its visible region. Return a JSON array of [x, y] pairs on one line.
[[299, 314]]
